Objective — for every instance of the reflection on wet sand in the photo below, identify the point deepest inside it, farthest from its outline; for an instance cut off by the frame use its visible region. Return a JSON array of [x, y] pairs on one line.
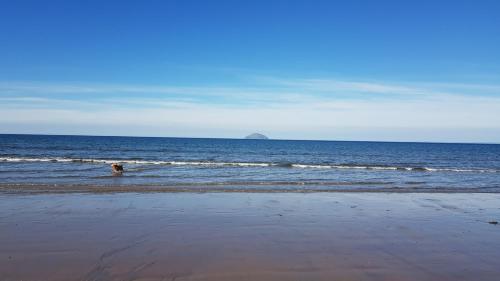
[[249, 236]]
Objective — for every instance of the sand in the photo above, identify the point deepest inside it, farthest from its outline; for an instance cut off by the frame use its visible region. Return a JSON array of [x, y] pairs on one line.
[[249, 236]]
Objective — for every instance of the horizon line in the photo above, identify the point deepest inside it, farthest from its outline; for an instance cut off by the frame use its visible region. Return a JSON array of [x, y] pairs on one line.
[[243, 138]]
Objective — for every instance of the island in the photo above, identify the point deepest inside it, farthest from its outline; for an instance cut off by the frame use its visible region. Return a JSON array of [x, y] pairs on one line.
[[256, 136]]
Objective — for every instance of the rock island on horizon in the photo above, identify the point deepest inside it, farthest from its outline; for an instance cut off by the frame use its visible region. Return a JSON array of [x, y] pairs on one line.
[[256, 136]]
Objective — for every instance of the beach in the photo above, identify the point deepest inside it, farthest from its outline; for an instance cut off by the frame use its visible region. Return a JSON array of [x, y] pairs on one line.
[[249, 236], [229, 209], [250, 140]]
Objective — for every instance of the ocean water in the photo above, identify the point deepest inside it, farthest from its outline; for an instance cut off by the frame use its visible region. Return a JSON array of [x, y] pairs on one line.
[[248, 164]]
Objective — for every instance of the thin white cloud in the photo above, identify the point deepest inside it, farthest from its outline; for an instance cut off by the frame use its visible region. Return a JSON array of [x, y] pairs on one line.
[[293, 108], [456, 113], [263, 86]]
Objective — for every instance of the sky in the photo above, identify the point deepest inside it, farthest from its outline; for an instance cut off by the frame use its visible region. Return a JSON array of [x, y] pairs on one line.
[[328, 70]]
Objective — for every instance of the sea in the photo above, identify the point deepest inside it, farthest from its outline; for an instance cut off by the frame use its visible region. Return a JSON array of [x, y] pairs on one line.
[[244, 164]]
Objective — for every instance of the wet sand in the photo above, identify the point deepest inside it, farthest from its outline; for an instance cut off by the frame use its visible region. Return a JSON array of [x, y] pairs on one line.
[[270, 187], [249, 236]]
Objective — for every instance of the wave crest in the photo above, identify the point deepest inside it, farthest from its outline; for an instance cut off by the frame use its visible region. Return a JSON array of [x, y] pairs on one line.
[[245, 164]]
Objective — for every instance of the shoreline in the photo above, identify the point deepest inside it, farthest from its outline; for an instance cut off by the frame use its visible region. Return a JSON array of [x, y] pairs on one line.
[[217, 188]]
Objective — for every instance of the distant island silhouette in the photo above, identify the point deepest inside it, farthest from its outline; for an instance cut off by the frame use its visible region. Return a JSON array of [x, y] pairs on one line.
[[256, 136]]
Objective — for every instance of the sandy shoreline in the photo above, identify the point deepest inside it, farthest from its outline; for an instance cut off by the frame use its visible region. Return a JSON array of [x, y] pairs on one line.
[[216, 188], [249, 236]]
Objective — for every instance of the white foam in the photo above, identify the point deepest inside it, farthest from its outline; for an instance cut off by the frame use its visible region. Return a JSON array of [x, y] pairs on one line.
[[239, 164], [312, 166], [383, 168]]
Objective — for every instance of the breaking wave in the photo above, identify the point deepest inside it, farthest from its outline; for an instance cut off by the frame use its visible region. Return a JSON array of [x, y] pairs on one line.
[[246, 164]]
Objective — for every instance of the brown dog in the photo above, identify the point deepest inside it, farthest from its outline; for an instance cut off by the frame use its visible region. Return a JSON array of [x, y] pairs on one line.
[[117, 168]]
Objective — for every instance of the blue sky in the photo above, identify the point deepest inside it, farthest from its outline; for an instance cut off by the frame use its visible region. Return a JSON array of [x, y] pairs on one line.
[[352, 70]]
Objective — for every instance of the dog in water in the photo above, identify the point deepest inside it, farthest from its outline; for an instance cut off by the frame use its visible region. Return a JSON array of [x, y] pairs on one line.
[[117, 169]]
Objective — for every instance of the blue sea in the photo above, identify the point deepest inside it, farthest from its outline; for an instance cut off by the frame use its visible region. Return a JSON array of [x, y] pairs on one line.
[[287, 165]]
